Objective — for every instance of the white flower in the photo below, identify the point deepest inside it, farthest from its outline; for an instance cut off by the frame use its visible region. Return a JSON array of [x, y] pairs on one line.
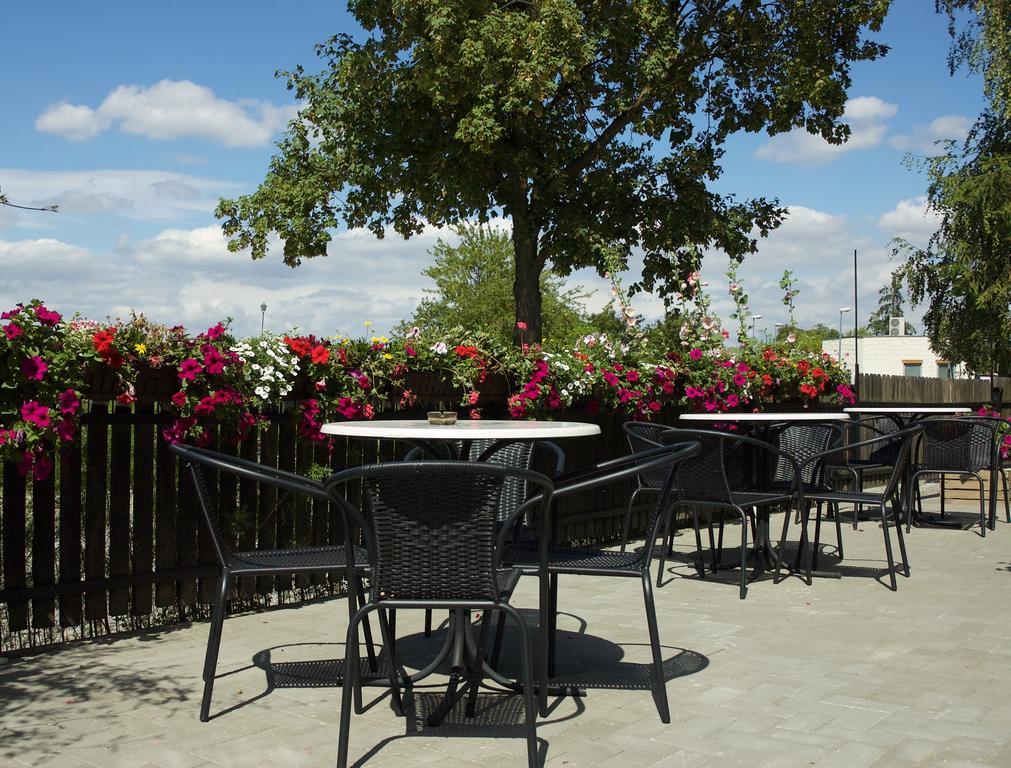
[[263, 392], [791, 338], [263, 345], [734, 287], [439, 348]]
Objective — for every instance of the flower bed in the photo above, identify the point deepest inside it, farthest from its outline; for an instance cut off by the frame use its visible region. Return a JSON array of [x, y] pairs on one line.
[[49, 364]]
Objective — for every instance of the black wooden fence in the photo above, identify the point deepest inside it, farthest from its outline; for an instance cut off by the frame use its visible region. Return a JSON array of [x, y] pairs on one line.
[[112, 540]]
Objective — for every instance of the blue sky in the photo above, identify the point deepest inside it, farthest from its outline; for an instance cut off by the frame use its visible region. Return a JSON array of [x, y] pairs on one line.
[[135, 118]]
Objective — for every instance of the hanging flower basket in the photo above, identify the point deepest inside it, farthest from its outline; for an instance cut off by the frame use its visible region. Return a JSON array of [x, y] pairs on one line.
[[432, 386], [156, 383]]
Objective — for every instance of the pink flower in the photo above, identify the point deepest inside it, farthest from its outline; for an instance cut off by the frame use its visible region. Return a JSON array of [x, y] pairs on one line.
[[472, 397], [68, 402], [12, 330], [732, 401], [215, 331], [739, 380], [521, 325], [742, 368], [611, 379], [66, 430], [35, 413], [43, 467], [189, 368], [47, 317], [409, 350], [695, 354], [632, 376], [34, 368]]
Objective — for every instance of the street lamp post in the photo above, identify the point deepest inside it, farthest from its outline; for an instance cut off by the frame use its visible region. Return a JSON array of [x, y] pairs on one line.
[[263, 315], [842, 311], [778, 326], [753, 319]]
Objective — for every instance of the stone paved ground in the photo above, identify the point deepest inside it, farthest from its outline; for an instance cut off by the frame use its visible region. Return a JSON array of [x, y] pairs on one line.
[[842, 674]]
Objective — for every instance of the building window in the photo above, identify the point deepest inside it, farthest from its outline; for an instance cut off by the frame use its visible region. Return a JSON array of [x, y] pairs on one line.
[[945, 370], [912, 367]]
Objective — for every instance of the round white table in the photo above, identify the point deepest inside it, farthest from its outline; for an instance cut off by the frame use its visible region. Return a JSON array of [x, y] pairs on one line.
[[912, 410], [466, 429], [766, 416]]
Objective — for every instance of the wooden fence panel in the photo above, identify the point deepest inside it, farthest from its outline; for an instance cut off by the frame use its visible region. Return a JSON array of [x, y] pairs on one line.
[[166, 556], [119, 509], [267, 513], [247, 515], [95, 500], [71, 510], [44, 549], [15, 508], [143, 506]]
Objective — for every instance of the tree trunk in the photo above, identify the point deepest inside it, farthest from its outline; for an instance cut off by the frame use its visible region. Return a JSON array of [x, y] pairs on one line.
[[527, 281]]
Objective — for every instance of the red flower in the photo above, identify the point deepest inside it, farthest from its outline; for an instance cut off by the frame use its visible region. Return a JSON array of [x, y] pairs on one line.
[[126, 398], [300, 346], [467, 351], [179, 399], [103, 340], [521, 325], [215, 331], [320, 354]]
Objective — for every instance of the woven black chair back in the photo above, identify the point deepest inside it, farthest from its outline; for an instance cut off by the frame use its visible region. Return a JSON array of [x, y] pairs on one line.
[[431, 527], [803, 441], [703, 477], [947, 445], [642, 436], [518, 455], [904, 439], [982, 444]]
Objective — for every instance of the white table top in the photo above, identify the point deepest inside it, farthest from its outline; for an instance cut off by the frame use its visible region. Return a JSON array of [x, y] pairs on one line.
[[908, 409], [465, 429], [767, 416]]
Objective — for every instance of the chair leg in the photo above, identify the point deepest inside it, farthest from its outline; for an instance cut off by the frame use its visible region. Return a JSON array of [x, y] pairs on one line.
[[388, 631], [838, 529], [719, 545], [552, 623], [982, 507], [993, 501], [817, 536], [888, 548], [370, 650], [627, 525], [428, 622], [478, 670], [1007, 499], [782, 547], [213, 643], [700, 562], [858, 486], [659, 682], [902, 540], [496, 648], [713, 551], [664, 550], [350, 683], [744, 553], [527, 679]]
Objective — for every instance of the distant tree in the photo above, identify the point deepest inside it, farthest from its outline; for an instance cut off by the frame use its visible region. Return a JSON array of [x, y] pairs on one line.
[[808, 339], [473, 289], [964, 273], [596, 127], [891, 299]]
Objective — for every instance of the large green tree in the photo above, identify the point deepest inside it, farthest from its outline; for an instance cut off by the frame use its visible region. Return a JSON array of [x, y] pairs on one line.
[[964, 274], [595, 126], [473, 289]]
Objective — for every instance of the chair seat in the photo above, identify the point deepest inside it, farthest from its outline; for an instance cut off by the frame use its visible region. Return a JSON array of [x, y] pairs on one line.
[[844, 497], [306, 559], [756, 499], [577, 560]]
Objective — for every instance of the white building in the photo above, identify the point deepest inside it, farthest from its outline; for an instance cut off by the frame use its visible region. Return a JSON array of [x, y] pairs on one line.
[[894, 356]]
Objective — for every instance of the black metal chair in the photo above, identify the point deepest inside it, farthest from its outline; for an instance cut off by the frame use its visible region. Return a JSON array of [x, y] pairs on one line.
[[713, 480], [516, 455], [880, 458], [274, 562], [582, 561], [963, 446], [643, 436], [434, 541], [802, 441], [891, 495]]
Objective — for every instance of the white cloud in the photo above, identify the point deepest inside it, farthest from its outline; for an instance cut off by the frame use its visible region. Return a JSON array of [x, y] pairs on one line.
[[190, 276], [169, 109], [910, 219], [924, 138], [135, 194], [866, 117]]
